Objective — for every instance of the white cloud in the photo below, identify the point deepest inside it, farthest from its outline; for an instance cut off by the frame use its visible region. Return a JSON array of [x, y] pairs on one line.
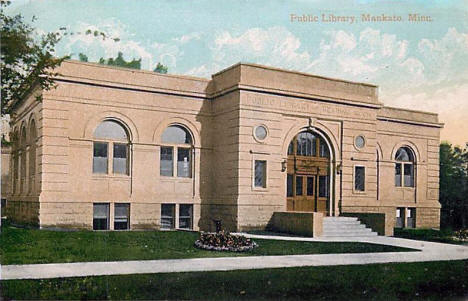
[[188, 37]]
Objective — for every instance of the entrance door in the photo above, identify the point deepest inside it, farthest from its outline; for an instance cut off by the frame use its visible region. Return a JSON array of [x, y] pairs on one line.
[[308, 174]]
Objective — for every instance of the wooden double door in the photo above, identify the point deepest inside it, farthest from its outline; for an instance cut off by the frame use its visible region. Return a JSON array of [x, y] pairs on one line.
[[308, 175]]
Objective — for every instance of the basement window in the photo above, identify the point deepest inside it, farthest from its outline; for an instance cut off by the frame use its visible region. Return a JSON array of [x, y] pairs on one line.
[[186, 216], [121, 216], [167, 216], [101, 216]]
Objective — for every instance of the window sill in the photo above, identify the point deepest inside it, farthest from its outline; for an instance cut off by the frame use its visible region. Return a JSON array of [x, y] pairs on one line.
[[111, 176]]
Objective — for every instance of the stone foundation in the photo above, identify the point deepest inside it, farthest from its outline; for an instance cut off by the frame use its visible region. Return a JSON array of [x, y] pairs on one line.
[[23, 212]]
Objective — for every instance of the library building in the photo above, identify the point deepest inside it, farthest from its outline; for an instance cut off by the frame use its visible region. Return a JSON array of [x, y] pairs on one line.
[[251, 148]]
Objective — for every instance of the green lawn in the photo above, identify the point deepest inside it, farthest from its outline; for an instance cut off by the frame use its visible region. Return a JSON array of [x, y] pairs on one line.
[[446, 280], [23, 246], [444, 236]]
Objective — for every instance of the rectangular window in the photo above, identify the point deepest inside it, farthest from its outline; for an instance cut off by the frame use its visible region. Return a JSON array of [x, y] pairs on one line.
[[101, 216], [359, 178], [121, 216], [398, 175], [299, 185], [260, 173], [119, 162], [400, 214], [310, 185], [323, 186], [410, 217], [289, 186], [185, 216], [409, 175], [183, 163], [167, 216], [100, 157], [166, 161]]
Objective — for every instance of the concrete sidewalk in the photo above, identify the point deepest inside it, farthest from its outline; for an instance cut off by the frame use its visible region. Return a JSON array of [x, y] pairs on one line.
[[430, 251]]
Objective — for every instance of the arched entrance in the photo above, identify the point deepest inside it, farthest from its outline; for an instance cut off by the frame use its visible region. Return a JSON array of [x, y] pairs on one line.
[[308, 173]]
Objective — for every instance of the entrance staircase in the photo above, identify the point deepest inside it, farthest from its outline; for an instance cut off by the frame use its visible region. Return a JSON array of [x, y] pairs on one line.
[[341, 226]]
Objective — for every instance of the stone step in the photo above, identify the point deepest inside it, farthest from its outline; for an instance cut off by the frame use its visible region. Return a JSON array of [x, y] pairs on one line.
[[340, 218], [344, 227], [350, 234], [356, 231], [341, 222]]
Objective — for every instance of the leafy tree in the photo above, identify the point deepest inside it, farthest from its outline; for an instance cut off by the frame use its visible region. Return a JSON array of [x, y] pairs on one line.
[[453, 186], [121, 62], [25, 60], [160, 68], [83, 57]]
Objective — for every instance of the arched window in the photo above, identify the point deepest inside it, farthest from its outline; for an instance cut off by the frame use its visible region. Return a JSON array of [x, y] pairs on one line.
[[404, 167], [310, 145], [23, 145], [176, 139], [32, 156], [111, 142]]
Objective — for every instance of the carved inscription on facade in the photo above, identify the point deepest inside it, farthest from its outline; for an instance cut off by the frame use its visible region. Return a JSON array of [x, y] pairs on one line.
[[308, 107]]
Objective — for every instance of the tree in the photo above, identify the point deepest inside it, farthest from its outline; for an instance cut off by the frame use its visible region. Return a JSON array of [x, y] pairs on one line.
[[453, 186], [160, 68], [82, 57], [121, 62], [25, 59]]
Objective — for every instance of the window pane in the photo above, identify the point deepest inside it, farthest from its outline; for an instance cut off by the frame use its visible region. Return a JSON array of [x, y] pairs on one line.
[[166, 161], [119, 164], [299, 185], [324, 149], [183, 163], [110, 130], [260, 173], [100, 216], [306, 144], [289, 184], [291, 149], [409, 175], [185, 216], [310, 185], [100, 157], [323, 186], [404, 154], [359, 178], [398, 174], [167, 216], [176, 134], [121, 216]]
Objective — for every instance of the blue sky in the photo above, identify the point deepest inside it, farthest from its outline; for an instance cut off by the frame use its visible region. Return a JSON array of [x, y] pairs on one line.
[[417, 65]]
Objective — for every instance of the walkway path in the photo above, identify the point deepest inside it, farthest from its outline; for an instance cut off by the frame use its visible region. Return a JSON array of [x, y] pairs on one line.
[[430, 251]]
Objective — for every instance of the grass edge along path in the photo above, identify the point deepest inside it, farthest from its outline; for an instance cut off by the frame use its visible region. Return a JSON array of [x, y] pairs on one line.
[[33, 246], [442, 280]]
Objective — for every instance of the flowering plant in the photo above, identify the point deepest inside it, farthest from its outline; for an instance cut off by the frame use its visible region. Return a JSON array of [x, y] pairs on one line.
[[224, 241]]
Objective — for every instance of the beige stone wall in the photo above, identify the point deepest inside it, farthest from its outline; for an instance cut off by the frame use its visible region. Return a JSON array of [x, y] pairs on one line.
[[221, 114], [23, 182]]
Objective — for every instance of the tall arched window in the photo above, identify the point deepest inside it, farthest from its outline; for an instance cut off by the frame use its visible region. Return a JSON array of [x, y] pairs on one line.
[[32, 156], [111, 143], [176, 140], [23, 144], [404, 167]]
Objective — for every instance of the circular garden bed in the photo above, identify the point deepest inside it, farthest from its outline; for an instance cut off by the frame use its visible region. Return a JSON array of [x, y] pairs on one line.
[[223, 241]]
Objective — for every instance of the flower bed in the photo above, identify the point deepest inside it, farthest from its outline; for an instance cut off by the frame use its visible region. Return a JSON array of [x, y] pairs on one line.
[[223, 241]]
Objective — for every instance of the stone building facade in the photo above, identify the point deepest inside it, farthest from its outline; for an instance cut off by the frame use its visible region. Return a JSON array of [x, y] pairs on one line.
[[114, 148]]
